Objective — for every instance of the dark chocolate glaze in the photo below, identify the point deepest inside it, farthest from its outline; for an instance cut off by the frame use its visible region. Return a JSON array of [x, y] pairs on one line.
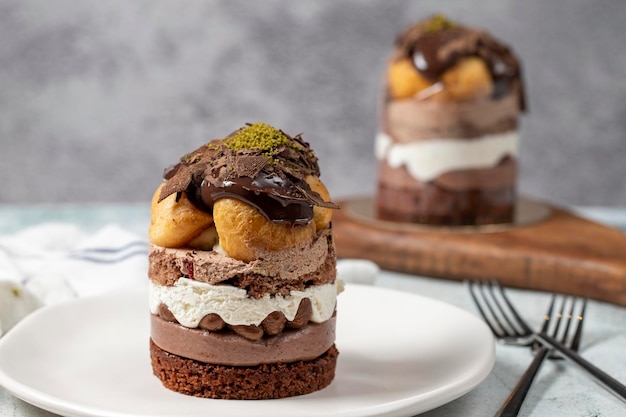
[[268, 193]]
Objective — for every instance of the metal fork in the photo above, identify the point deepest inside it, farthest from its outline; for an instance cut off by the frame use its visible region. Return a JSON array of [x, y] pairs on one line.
[[509, 328], [514, 401]]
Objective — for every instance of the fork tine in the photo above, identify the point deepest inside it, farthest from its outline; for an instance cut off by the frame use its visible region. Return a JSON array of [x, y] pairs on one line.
[[559, 316], [568, 322], [563, 320], [504, 322], [512, 309], [548, 316], [493, 312], [487, 295], [486, 318], [547, 319], [562, 336], [579, 327], [502, 312]]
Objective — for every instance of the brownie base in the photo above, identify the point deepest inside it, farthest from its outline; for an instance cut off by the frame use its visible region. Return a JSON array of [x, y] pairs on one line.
[[437, 206], [267, 381]]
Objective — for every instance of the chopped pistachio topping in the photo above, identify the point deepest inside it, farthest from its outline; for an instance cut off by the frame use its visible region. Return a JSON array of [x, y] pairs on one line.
[[258, 136], [438, 22]]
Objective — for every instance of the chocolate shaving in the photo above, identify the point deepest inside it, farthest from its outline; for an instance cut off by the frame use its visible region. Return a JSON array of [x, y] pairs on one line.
[[250, 165], [180, 181]]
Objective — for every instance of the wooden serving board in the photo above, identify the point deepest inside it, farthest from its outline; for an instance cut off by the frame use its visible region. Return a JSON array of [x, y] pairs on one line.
[[549, 249]]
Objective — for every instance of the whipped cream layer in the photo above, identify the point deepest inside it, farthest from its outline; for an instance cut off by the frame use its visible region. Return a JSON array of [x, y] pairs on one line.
[[425, 160], [189, 301]]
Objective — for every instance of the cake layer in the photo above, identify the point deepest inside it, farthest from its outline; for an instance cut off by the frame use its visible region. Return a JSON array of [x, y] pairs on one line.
[[276, 273], [435, 205], [190, 301], [226, 348], [275, 380]]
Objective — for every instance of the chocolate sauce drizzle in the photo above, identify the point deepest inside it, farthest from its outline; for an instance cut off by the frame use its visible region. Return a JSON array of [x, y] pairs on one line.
[[434, 50], [271, 180]]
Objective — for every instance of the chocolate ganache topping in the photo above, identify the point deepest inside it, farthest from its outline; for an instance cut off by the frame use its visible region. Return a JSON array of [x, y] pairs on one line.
[[258, 164], [436, 44]]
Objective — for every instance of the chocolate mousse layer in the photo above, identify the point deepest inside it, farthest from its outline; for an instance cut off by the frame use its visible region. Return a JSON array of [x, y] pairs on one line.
[[411, 120], [500, 176], [277, 273], [305, 343]]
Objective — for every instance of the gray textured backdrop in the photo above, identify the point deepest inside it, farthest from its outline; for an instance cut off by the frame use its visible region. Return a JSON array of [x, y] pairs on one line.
[[97, 97]]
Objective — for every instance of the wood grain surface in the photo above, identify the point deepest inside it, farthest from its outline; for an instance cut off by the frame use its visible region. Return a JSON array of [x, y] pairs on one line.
[[560, 252]]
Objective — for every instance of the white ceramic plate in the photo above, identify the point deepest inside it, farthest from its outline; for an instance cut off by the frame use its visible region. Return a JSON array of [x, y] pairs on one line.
[[400, 354]]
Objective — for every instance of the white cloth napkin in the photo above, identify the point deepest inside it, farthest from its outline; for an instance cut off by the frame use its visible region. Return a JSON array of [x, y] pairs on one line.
[[55, 262]]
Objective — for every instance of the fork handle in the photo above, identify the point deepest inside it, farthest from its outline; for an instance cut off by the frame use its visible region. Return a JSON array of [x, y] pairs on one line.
[[513, 403], [604, 379]]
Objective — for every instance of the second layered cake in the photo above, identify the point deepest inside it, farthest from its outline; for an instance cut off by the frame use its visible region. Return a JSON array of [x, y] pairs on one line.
[[448, 139], [242, 270]]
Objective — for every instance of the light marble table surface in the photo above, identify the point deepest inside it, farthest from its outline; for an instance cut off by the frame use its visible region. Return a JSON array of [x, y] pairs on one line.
[[559, 390]]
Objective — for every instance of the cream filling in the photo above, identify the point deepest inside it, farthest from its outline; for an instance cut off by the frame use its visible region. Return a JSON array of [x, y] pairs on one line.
[[427, 159], [189, 301]]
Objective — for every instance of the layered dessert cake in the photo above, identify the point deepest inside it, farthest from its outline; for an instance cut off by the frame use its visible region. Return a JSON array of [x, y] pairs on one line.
[[242, 270], [447, 145]]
